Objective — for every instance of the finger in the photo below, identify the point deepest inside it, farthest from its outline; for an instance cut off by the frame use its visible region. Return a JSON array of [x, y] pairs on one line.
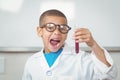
[[81, 32], [82, 36], [81, 29], [86, 40]]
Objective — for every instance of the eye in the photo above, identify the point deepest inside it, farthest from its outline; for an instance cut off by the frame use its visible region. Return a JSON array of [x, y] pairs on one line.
[[50, 27], [63, 28]]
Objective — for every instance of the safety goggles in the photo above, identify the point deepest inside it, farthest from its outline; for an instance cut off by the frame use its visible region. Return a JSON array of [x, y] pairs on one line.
[[51, 27]]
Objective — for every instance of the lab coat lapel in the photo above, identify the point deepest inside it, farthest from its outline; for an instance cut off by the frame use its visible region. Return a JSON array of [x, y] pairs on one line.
[[56, 62], [43, 61], [66, 51]]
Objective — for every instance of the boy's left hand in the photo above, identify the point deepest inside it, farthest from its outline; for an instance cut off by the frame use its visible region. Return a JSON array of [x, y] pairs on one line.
[[84, 35]]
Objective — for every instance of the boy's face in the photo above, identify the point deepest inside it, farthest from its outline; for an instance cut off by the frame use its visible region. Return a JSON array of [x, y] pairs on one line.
[[53, 41]]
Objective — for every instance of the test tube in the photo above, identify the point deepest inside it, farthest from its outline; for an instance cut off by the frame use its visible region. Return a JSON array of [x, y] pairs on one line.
[[77, 47]]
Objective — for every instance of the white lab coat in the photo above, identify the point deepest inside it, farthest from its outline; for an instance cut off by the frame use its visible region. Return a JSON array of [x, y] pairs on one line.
[[69, 66]]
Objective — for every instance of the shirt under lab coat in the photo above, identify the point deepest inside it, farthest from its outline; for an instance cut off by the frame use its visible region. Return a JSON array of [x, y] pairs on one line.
[[69, 66]]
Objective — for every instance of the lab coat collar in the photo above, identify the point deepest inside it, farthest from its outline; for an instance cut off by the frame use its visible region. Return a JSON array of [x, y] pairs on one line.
[[66, 50]]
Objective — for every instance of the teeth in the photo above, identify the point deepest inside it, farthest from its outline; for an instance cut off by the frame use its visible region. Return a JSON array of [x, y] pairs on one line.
[[55, 40]]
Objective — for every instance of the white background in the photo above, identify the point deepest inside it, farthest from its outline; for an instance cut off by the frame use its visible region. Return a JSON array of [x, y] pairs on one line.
[[18, 27]]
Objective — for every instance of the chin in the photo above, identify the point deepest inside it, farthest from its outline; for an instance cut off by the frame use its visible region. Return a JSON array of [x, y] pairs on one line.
[[54, 50]]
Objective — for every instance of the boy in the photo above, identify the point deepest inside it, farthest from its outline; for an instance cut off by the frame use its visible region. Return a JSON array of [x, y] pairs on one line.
[[58, 61]]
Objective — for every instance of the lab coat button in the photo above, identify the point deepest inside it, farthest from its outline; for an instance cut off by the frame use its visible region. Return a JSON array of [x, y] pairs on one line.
[[49, 73]]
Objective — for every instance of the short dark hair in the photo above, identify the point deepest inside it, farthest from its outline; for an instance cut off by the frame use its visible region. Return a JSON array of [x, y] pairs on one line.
[[52, 12]]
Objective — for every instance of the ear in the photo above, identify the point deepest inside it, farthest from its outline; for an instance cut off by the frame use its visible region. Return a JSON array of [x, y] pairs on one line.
[[39, 31]]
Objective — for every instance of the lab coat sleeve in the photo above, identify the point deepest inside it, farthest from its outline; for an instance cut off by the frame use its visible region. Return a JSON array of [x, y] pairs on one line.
[[101, 71]]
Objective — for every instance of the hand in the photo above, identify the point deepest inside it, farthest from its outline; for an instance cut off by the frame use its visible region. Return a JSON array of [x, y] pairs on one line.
[[84, 35]]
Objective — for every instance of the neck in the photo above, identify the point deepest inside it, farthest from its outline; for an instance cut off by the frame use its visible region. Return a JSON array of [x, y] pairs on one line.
[[48, 51]]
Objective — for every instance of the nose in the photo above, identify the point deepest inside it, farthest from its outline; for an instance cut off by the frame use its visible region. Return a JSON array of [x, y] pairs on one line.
[[57, 30]]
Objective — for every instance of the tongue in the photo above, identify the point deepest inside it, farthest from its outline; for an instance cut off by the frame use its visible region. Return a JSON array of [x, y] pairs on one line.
[[54, 42]]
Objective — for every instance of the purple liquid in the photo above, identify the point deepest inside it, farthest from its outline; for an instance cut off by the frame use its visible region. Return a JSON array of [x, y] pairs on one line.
[[77, 47]]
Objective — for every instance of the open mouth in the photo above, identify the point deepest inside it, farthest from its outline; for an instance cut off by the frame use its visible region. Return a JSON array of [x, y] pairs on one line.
[[54, 42]]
